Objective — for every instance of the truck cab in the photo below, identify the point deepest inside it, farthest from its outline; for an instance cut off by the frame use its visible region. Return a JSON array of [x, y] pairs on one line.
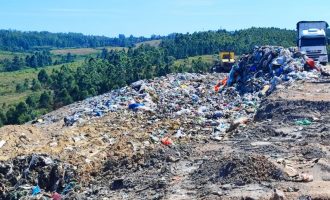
[[312, 39]]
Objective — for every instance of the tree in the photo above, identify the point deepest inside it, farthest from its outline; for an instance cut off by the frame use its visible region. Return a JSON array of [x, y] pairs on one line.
[[45, 100], [6, 64], [69, 57], [33, 62], [20, 88], [21, 113], [43, 76], [11, 116], [15, 65], [2, 118], [35, 85], [31, 102], [26, 84], [104, 53], [21, 108], [63, 98], [75, 93]]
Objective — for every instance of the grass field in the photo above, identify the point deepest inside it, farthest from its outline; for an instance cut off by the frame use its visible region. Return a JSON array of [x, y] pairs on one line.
[[9, 80], [153, 43], [10, 55], [79, 51], [205, 58], [84, 51], [112, 48]]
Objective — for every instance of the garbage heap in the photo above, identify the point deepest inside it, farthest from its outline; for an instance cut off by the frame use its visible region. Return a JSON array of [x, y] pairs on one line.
[[269, 66], [165, 111], [259, 72]]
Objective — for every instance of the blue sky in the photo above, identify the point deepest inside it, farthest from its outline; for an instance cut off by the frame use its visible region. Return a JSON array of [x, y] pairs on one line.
[[146, 17]]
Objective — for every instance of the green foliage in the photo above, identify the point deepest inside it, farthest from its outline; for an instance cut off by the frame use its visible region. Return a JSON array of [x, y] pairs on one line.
[[198, 66], [3, 118], [45, 100], [11, 116], [211, 42], [63, 98], [43, 76], [36, 86], [31, 101], [38, 59], [20, 88], [12, 40], [16, 64]]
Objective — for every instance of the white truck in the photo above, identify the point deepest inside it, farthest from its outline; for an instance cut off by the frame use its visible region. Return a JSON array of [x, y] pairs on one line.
[[313, 40]]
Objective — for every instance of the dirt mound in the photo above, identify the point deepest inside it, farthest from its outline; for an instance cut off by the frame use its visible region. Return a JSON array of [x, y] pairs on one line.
[[239, 170]]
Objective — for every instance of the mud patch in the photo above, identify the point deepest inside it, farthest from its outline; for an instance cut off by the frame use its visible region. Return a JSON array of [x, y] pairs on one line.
[[311, 152], [284, 110], [238, 169]]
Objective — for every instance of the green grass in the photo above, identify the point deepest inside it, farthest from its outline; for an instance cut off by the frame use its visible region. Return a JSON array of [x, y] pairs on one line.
[[112, 48], [10, 55], [205, 58], [9, 80], [153, 43], [77, 51], [84, 51]]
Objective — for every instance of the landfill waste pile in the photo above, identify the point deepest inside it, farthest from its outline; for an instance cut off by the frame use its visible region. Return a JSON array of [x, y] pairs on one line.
[[269, 66], [259, 132], [25, 176]]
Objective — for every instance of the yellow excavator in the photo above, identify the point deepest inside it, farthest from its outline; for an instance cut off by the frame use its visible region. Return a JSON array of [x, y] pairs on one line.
[[225, 62]]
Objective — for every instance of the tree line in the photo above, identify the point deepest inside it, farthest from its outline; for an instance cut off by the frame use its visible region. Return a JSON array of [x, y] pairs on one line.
[[12, 40], [211, 42], [35, 60]]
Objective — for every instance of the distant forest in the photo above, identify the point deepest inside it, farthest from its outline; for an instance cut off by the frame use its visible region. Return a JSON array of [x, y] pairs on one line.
[[211, 42], [12, 40], [178, 45]]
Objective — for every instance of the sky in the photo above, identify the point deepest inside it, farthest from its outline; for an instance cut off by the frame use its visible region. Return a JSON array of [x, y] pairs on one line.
[[160, 17]]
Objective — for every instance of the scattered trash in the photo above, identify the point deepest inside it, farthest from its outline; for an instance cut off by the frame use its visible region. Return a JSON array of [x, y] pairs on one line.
[[56, 196], [306, 177], [135, 106], [304, 122], [167, 141], [29, 170], [2, 142], [36, 190], [117, 184]]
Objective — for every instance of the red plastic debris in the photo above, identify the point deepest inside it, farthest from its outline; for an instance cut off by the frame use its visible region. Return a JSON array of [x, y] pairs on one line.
[[56, 196], [167, 141], [311, 63]]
